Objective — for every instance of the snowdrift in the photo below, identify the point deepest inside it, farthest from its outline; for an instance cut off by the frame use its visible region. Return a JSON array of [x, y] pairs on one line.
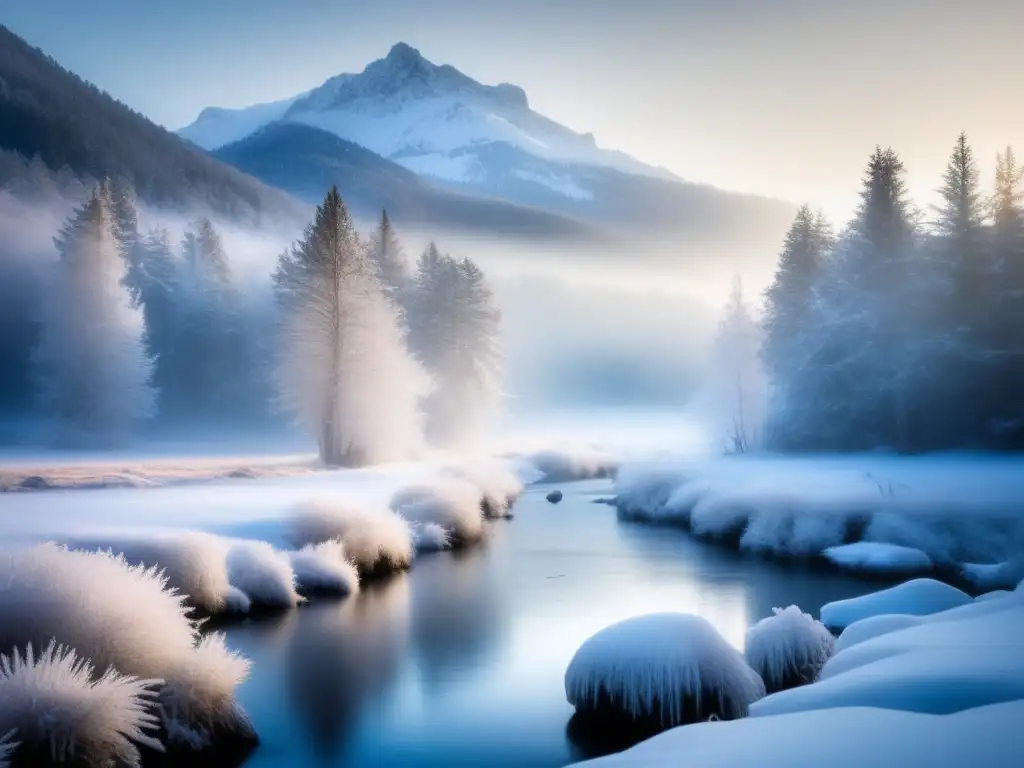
[[988, 737], [917, 598], [324, 568], [376, 541], [788, 649], [952, 509], [657, 671], [125, 618], [451, 503], [61, 711]]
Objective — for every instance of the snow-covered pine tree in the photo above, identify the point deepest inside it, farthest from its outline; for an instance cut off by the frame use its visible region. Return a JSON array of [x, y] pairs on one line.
[[343, 365], [91, 363], [736, 393], [386, 253]]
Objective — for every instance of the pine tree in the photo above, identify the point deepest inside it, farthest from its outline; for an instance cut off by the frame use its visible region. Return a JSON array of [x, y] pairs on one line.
[[92, 367], [386, 253], [344, 368]]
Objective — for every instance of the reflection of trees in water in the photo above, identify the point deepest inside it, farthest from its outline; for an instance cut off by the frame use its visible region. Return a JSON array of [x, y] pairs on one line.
[[458, 609], [344, 657]]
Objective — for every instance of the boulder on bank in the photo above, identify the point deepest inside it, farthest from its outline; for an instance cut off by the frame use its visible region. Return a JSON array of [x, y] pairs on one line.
[[554, 497], [788, 649]]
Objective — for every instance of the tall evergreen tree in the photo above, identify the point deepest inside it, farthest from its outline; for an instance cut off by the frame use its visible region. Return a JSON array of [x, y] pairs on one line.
[[92, 367], [344, 368], [386, 253]]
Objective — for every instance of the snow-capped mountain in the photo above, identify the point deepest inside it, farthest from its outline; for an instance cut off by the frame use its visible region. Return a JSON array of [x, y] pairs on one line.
[[428, 118]]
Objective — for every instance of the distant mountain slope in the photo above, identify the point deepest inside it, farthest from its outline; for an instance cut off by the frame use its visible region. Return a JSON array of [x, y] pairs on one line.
[[480, 139], [49, 112], [305, 161]]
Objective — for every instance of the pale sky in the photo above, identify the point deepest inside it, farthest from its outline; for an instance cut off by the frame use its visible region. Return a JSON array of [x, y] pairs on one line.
[[784, 98]]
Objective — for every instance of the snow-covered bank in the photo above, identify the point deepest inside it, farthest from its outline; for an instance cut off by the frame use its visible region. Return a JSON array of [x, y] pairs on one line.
[[944, 689], [948, 510]]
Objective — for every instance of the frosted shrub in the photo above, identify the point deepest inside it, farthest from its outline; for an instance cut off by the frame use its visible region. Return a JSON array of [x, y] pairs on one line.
[[430, 537], [195, 564], [376, 541], [651, 673], [558, 466], [123, 617], [324, 567], [263, 574], [498, 485], [450, 503], [63, 712], [788, 649]]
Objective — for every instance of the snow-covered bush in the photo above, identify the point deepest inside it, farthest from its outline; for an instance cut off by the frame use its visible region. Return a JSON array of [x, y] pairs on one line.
[[451, 503], [124, 618], [263, 574], [324, 567], [194, 563], [848, 737], [644, 490], [64, 712], [499, 486], [788, 649], [376, 541], [919, 597], [659, 671], [430, 537], [566, 466]]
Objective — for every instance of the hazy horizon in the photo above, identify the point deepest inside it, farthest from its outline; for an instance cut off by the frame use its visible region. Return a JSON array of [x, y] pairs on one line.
[[786, 101]]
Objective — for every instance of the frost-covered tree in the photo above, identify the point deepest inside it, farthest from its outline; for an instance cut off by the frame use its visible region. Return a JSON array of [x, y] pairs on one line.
[[455, 332], [343, 365], [736, 393], [92, 367], [387, 255]]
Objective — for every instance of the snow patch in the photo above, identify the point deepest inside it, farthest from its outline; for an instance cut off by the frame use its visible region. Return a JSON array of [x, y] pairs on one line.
[[563, 185], [873, 557], [919, 597], [788, 648]]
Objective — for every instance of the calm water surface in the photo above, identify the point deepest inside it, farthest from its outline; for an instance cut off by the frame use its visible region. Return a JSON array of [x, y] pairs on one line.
[[460, 661]]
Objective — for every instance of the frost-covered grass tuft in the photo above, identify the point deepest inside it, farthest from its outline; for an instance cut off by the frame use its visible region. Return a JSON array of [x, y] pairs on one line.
[[918, 597], [323, 567], [431, 537], [376, 540], [498, 485], [557, 466], [673, 668], [194, 563], [263, 574], [788, 649], [125, 618], [63, 711], [451, 503]]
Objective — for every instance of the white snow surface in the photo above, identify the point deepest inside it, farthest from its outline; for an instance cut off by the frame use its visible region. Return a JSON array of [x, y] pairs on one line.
[[216, 126], [56, 702], [852, 737], [919, 597], [661, 658], [873, 556], [324, 567], [787, 644], [954, 508], [374, 537]]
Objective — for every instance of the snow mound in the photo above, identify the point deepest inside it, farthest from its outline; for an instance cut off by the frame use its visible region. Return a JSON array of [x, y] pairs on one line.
[[565, 466], [194, 563], [263, 574], [377, 541], [323, 567], [873, 626], [997, 594], [934, 668], [123, 617], [60, 708], [451, 503], [875, 557], [987, 737], [430, 537], [788, 649], [498, 485], [1005, 575], [673, 668], [919, 597]]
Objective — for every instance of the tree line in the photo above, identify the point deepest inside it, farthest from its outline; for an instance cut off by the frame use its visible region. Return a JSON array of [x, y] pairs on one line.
[[368, 354], [905, 330]]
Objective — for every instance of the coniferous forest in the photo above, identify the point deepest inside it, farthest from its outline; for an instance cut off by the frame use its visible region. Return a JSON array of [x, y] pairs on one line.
[[903, 331]]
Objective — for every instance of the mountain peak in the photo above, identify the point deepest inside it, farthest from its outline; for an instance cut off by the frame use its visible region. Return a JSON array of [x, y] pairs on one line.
[[404, 53]]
